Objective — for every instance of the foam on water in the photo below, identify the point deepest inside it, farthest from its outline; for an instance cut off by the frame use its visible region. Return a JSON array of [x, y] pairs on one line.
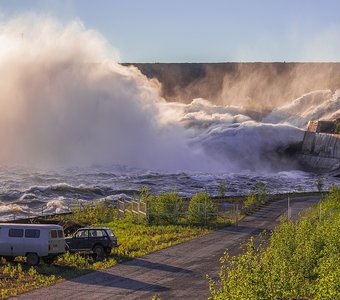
[[117, 186]]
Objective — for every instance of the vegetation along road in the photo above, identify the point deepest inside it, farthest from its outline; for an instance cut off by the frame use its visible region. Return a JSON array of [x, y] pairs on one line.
[[178, 272]]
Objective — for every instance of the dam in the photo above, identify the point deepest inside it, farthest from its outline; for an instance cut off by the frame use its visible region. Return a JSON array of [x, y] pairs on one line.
[[320, 150], [260, 87]]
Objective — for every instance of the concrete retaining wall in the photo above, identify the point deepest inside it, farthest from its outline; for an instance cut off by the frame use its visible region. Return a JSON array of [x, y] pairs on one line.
[[320, 151], [321, 144]]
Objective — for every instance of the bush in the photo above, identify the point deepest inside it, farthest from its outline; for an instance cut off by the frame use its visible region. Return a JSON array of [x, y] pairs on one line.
[[222, 188], [99, 212], [337, 127], [261, 189], [257, 196], [201, 209], [301, 261], [250, 200], [164, 208]]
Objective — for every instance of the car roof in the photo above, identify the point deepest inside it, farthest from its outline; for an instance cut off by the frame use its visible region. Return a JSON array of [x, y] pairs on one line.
[[98, 228]]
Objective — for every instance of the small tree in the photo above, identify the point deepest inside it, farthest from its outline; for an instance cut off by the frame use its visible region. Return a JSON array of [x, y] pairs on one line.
[[261, 190], [250, 200], [337, 127], [319, 183], [201, 209], [145, 193], [164, 208], [222, 187]]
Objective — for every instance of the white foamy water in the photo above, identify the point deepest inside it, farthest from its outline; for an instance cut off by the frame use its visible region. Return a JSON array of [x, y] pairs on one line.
[[26, 192], [66, 107]]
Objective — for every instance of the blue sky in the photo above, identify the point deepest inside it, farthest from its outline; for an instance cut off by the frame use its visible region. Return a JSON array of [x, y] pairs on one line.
[[203, 31]]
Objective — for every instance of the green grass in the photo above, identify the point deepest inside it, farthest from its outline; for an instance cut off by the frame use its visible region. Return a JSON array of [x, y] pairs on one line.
[[300, 260], [135, 240]]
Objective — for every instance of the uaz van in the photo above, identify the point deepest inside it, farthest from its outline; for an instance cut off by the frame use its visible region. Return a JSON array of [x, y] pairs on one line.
[[34, 241]]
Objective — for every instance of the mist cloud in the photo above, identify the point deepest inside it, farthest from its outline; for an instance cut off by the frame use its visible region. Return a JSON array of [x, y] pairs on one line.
[[65, 102]]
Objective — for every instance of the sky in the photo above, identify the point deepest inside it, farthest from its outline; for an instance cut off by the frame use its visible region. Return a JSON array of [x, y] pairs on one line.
[[202, 31]]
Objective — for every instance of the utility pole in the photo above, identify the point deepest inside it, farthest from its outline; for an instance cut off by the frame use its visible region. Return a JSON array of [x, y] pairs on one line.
[[320, 212], [236, 212], [289, 211]]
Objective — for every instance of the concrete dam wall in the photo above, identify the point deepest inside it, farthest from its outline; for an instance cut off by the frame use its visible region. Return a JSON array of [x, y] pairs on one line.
[[320, 152]]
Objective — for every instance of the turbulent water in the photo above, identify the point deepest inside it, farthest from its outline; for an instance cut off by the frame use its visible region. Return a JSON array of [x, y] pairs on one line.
[[67, 108], [25, 193]]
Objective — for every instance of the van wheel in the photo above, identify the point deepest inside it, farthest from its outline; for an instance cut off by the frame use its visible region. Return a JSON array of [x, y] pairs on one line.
[[32, 259], [99, 252]]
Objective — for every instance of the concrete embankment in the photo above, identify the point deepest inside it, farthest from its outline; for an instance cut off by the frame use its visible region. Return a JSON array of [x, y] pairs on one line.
[[320, 152]]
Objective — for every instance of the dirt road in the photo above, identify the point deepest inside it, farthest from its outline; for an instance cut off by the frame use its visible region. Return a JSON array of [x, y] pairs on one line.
[[177, 272]]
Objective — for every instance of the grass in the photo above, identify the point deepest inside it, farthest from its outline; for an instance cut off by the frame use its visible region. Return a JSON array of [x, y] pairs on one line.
[[135, 239], [16, 279]]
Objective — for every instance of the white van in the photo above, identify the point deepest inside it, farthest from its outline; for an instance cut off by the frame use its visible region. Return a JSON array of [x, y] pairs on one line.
[[31, 240]]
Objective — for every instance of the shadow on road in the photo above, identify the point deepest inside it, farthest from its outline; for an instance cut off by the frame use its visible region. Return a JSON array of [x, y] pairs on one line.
[[105, 279], [243, 228], [156, 266]]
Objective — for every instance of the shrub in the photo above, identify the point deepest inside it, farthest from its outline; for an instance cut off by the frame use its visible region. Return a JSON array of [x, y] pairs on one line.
[[201, 209], [302, 260], [257, 196], [165, 208], [261, 190], [222, 187], [99, 212], [337, 127], [250, 200]]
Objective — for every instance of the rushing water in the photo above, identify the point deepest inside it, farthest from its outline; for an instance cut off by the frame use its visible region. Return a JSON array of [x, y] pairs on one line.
[[24, 192]]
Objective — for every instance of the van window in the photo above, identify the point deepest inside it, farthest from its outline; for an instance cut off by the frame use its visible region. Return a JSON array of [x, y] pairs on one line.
[[54, 234], [15, 232], [60, 234], [32, 233]]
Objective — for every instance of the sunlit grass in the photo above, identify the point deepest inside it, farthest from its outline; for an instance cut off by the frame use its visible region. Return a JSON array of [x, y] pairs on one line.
[[135, 239]]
